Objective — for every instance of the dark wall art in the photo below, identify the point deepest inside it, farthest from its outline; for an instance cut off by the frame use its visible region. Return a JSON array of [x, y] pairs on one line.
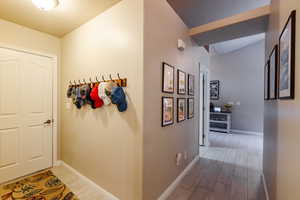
[[287, 42], [181, 82], [191, 85], [190, 105], [167, 111], [168, 78], [181, 109], [215, 90], [266, 80], [273, 72]]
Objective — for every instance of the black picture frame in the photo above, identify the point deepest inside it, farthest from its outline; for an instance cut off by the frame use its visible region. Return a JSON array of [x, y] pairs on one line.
[[287, 53], [163, 124], [266, 80], [191, 84], [273, 74], [190, 110], [185, 109], [214, 89], [178, 82], [164, 74]]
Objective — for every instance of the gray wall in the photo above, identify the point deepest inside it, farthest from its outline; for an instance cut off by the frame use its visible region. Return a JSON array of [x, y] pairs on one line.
[[281, 136], [199, 12], [241, 80], [162, 29]]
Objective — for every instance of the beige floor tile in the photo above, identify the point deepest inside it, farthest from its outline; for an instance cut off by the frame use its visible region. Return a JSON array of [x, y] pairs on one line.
[[229, 169], [83, 189], [180, 194]]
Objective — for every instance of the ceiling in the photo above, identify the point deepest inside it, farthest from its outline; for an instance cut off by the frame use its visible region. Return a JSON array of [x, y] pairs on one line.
[[233, 45], [69, 15], [239, 30], [199, 12]]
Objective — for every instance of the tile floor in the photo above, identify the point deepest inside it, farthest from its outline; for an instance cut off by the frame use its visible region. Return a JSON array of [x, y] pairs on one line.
[[82, 189], [230, 169]]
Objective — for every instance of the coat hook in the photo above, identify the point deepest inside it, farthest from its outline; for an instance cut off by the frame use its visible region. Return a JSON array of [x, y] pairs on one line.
[[75, 82], [70, 83], [110, 77], [91, 80], [79, 82], [103, 78], [96, 79], [118, 75], [84, 81]]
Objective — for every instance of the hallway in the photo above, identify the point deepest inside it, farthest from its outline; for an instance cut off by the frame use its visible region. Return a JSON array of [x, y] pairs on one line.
[[227, 170]]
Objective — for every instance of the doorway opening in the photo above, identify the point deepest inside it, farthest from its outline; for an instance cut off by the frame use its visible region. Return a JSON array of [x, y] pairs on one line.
[[231, 113]]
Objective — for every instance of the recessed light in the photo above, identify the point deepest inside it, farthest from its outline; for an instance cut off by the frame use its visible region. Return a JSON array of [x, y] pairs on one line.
[[45, 4]]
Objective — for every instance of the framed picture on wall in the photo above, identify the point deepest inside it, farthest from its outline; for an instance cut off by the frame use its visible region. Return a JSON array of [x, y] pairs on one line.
[[181, 82], [287, 42], [190, 105], [214, 90], [191, 85], [273, 73], [167, 111], [266, 80], [168, 78], [181, 109]]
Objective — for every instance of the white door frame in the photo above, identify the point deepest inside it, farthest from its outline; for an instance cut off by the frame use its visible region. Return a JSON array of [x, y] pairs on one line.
[[201, 120], [55, 161], [204, 106]]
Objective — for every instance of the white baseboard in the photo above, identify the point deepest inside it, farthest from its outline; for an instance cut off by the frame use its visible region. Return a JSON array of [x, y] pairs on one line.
[[57, 163], [89, 181], [265, 187], [247, 132], [173, 186]]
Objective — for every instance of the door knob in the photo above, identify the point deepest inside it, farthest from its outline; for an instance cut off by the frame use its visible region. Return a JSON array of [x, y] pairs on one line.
[[48, 121]]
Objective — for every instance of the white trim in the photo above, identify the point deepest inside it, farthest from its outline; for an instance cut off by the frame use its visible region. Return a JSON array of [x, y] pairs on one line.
[[201, 108], [173, 186], [57, 163], [204, 71], [30, 51], [265, 187], [207, 94], [54, 95], [246, 132], [55, 112], [88, 181]]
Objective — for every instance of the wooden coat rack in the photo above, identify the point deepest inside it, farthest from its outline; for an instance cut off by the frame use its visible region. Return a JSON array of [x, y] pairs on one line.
[[122, 82]]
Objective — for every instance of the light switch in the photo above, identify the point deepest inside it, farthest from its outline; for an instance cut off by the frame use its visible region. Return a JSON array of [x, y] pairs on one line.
[[178, 159], [185, 155]]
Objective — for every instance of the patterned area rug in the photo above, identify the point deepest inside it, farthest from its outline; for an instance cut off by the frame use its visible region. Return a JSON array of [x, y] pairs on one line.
[[43, 186]]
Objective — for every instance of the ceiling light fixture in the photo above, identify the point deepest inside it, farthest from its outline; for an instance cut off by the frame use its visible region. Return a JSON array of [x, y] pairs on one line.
[[45, 4]]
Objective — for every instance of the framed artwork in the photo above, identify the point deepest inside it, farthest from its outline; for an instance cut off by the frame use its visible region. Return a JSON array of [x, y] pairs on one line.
[[266, 80], [181, 109], [214, 89], [190, 108], [273, 66], [181, 82], [191, 85], [167, 111], [168, 78], [287, 39]]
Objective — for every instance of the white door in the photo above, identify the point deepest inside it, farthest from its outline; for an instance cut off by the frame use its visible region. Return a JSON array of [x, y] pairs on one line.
[[25, 106]]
